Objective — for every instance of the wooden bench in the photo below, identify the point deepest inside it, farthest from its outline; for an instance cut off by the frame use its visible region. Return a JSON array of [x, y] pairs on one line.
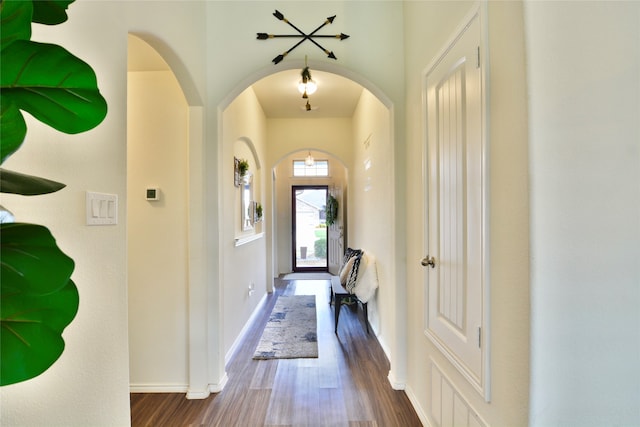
[[339, 295]]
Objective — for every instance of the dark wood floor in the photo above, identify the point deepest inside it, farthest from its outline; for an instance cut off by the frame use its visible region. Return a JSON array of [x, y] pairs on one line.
[[345, 386]]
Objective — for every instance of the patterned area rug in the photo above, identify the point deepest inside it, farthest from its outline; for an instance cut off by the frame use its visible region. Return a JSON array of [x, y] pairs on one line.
[[291, 331]]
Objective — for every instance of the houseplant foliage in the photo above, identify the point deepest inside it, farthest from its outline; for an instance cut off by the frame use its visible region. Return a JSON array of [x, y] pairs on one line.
[[38, 297], [243, 167], [332, 210]]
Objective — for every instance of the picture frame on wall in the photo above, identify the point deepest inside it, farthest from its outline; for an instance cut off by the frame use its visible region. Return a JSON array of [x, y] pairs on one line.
[[236, 172]]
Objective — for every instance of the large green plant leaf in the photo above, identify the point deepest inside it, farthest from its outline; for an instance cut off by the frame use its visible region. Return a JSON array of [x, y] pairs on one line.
[[32, 327], [50, 12], [30, 260], [13, 128], [27, 185], [54, 86], [38, 300], [16, 17], [15, 21]]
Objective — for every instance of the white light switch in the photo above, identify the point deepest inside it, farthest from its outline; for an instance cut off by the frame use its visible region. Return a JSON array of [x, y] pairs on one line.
[[101, 208], [95, 208]]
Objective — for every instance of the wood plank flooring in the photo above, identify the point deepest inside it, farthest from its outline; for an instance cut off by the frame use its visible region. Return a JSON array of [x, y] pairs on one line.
[[345, 386]]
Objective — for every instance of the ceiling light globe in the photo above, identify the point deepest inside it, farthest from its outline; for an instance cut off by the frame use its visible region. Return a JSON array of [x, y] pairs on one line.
[[310, 87], [309, 161]]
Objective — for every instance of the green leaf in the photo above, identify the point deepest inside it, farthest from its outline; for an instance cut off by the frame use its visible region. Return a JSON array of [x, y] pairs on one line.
[[50, 12], [27, 185], [13, 128], [31, 333], [52, 85], [15, 21], [30, 260], [37, 301]]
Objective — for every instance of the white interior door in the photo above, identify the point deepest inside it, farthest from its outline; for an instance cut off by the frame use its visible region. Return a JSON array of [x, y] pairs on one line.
[[454, 191]]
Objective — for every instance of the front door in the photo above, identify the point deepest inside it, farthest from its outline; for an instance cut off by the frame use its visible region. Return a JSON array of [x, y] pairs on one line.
[[309, 227]]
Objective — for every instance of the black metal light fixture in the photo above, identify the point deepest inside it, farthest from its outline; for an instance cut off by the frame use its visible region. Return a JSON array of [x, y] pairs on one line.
[[306, 86]]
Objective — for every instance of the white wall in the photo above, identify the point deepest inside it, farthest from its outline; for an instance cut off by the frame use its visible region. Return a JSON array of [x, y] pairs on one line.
[[88, 385], [431, 25], [243, 126], [583, 68], [371, 200], [157, 246]]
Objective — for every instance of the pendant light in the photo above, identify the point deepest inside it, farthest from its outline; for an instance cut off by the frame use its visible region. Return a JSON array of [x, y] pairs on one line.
[[306, 86], [309, 161]]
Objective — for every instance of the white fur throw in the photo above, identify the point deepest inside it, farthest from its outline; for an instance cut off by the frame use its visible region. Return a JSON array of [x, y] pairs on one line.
[[367, 281]]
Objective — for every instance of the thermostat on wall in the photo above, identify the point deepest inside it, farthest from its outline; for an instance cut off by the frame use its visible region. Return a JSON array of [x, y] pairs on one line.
[[153, 193]]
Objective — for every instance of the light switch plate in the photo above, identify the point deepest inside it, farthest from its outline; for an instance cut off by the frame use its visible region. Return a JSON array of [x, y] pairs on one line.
[[101, 208]]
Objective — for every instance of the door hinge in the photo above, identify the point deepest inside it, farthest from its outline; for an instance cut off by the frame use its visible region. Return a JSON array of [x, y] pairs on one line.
[[478, 62], [479, 337]]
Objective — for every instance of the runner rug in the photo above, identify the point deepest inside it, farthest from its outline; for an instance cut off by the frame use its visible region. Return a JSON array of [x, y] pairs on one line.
[[291, 331]]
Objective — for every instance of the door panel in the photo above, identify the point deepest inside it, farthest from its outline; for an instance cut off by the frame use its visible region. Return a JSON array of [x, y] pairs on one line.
[[335, 250], [455, 206]]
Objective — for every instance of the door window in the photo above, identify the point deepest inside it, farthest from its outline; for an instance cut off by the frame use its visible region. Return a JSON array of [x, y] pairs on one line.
[[309, 205]]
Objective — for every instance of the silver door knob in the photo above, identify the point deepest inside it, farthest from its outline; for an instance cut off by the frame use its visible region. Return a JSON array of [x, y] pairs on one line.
[[428, 261]]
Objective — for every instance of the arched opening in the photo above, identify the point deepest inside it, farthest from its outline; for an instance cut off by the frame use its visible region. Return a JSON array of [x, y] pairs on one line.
[[362, 143], [164, 135], [336, 182]]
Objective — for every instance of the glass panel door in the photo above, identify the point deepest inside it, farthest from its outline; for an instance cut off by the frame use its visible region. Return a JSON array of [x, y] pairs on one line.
[[309, 227]]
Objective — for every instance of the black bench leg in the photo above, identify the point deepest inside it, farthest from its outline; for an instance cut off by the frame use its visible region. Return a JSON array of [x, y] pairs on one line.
[[336, 306], [366, 316]]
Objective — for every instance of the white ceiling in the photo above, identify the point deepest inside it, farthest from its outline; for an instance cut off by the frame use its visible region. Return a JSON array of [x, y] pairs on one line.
[[277, 93]]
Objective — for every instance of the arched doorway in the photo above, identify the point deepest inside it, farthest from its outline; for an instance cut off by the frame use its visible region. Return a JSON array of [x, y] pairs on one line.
[[336, 183], [165, 130], [365, 142]]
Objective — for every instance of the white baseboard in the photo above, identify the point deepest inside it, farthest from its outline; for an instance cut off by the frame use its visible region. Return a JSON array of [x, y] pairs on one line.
[[217, 388], [197, 394], [417, 407], [395, 383], [158, 388], [211, 388], [244, 330], [383, 344]]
